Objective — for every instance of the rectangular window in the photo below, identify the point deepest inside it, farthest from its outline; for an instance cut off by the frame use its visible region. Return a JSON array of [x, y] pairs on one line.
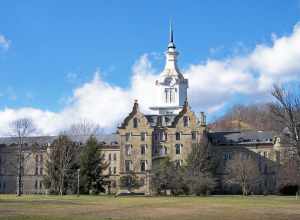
[[277, 155], [143, 149], [109, 170], [128, 149], [115, 156], [265, 154], [41, 185], [143, 136], [36, 171], [41, 171], [185, 121], [128, 165], [161, 136], [109, 157], [177, 136], [115, 170], [41, 158], [143, 165], [194, 135], [178, 149], [227, 156], [135, 122], [128, 136], [36, 184], [156, 136]]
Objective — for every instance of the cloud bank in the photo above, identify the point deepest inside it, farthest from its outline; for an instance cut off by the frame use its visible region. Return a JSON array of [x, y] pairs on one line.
[[212, 85]]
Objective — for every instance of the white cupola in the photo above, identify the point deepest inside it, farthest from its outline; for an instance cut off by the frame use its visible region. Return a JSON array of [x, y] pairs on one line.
[[171, 87]]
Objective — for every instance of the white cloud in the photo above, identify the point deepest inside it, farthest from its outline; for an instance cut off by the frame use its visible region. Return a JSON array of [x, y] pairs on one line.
[[4, 42], [212, 85]]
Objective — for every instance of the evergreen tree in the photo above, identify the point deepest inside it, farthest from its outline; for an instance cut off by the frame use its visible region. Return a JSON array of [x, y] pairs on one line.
[[92, 165], [168, 176]]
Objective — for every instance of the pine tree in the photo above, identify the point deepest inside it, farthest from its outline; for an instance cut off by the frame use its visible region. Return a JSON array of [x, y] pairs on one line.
[[92, 165]]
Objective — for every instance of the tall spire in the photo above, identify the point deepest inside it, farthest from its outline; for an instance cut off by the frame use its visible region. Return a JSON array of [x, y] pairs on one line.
[[171, 38], [171, 32]]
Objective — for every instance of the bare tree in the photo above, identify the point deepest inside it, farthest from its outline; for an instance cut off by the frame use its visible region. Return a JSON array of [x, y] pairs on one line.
[[62, 165], [288, 181], [243, 171], [286, 110], [84, 129], [21, 128]]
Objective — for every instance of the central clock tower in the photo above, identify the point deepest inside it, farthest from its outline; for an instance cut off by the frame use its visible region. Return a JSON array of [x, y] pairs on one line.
[[171, 87]]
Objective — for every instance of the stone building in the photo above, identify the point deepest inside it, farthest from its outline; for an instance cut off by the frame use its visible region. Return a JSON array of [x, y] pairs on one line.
[[142, 140]]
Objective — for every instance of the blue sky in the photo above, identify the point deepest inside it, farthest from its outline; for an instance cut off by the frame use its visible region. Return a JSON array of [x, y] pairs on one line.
[[53, 48]]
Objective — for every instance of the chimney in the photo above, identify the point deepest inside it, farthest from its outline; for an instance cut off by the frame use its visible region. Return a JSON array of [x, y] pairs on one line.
[[202, 119]]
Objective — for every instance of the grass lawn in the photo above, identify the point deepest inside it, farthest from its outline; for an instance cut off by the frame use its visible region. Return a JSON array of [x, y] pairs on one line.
[[170, 208]]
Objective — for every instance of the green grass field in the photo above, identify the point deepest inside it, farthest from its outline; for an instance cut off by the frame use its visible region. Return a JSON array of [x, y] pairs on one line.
[[171, 208]]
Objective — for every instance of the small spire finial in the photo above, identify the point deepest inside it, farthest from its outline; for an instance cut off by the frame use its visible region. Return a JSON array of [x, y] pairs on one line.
[[171, 37], [171, 32]]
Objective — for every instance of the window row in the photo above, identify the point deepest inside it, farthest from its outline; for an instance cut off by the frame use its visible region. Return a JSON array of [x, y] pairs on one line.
[[143, 136], [38, 185], [128, 149], [163, 150], [110, 156], [129, 165], [163, 136], [38, 171], [112, 170]]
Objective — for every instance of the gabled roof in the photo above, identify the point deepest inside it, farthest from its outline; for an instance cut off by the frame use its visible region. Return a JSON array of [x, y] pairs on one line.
[[135, 109]]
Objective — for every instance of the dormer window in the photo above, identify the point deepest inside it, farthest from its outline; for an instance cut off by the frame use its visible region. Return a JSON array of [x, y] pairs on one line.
[[135, 122]]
